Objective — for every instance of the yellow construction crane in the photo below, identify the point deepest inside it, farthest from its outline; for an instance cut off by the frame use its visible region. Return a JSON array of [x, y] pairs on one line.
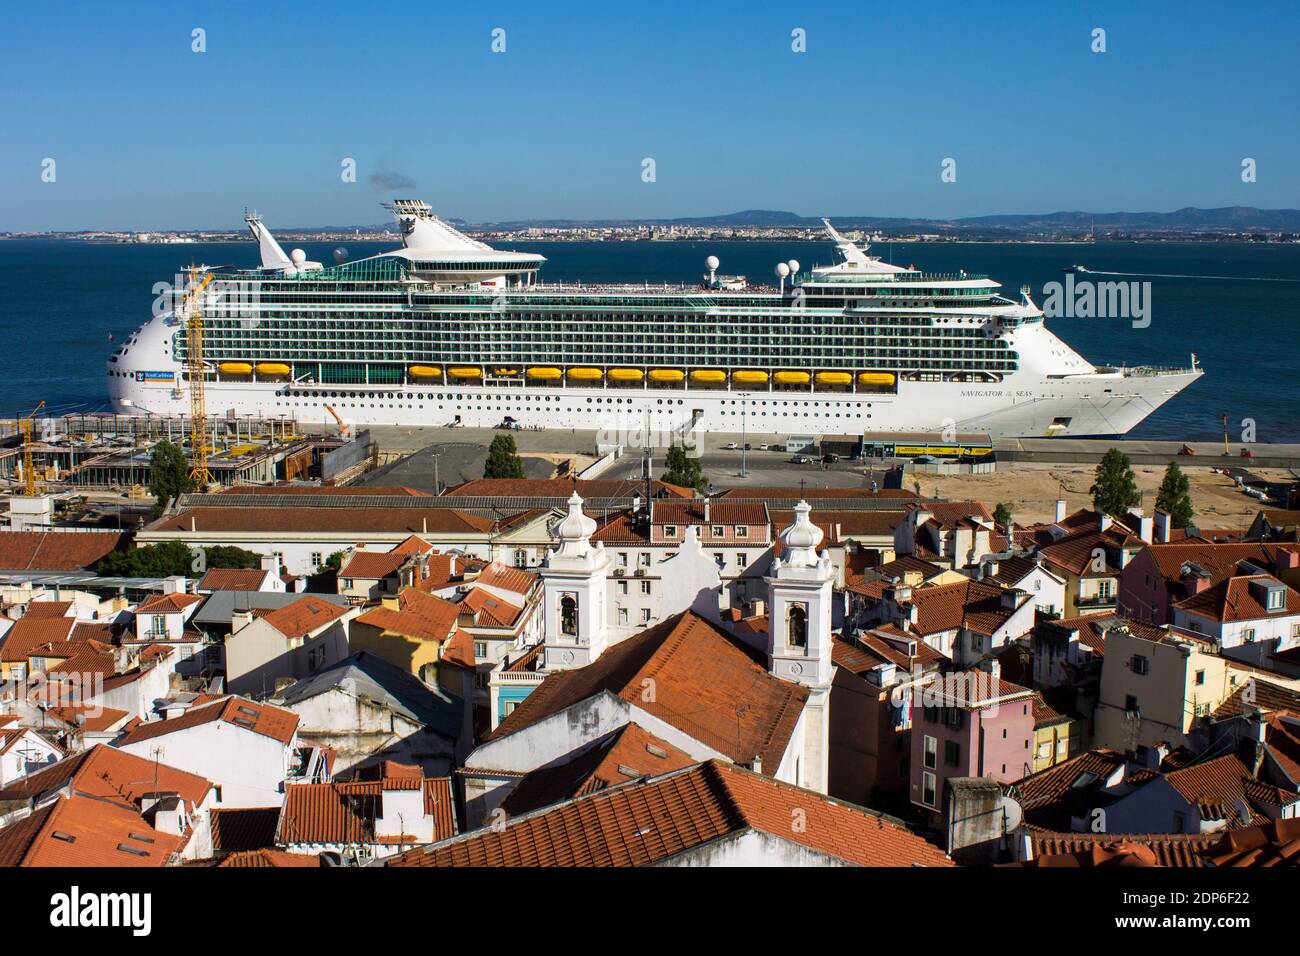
[[29, 471], [199, 472]]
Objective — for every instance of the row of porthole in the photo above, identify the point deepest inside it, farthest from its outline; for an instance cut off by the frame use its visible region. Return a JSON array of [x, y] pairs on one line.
[[529, 408], [502, 398]]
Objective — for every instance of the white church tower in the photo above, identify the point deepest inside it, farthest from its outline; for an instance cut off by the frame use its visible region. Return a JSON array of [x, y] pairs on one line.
[[574, 582], [800, 592]]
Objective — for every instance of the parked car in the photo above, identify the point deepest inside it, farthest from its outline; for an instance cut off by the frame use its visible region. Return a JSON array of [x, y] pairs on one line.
[[830, 458], [731, 446], [801, 460]]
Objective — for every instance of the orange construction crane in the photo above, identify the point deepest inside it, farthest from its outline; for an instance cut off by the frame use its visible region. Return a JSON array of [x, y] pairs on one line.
[[199, 472], [26, 425]]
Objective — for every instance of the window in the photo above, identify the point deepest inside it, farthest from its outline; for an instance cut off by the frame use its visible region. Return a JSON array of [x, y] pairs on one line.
[[742, 531], [1200, 678], [317, 559], [157, 625], [1104, 589], [645, 615], [796, 624], [622, 559], [1130, 704], [718, 531], [569, 615], [1276, 599], [670, 531], [1248, 635], [521, 558], [928, 786], [1180, 822], [645, 587], [622, 615], [951, 753], [742, 561], [720, 560], [645, 559], [480, 649], [930, 752], [1141, 666]]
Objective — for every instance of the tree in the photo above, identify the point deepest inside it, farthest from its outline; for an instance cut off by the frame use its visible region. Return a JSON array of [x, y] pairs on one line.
[[683, 470], [151, 561], [228, 556], [334, 562], [503, 459], [1002, 515], [1174, 497], [1114, 488], [169, 474]]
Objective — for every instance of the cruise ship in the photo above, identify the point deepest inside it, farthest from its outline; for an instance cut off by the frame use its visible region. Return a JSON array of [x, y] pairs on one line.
[[449, 331]]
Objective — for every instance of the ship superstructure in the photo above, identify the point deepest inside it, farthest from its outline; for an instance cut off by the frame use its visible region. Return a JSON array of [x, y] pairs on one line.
[[447, 330]]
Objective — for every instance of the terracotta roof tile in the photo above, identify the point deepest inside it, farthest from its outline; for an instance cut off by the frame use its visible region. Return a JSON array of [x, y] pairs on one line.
[[343, 813], [167, 603], [506, 578], [30, 633], [1052, 849], [419, 615], [648, 821], [232, 579], [109, 774], [260, 858], [303, 616], [56, 550], [78, 831], [259, 718], [244, 828], [326, 520], [706, 683], [1236, 599], [629, 753], [1273, 844]]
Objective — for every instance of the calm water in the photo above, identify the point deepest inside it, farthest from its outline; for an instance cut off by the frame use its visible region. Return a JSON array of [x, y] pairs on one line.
[[60, 300]]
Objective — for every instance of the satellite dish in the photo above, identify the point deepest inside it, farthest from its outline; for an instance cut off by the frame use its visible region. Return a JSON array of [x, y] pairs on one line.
[[794, 266], [340, 255], [298, 257], [782, 269], [711, 263]]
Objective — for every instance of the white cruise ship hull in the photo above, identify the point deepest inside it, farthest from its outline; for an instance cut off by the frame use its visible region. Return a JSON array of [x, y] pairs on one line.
[[1023, 406]]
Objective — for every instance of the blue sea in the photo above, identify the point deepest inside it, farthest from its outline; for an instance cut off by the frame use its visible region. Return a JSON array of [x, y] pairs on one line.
[[60, 300]]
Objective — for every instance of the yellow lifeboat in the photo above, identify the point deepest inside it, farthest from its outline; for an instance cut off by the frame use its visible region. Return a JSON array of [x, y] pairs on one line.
[[708, 375], [626, 374], [586, 374], [235, 368], [425, 371], [834, 378], [272, 368], [545, 374], [505, 372], [792, 378], [749, 377], [876, 378], [666, 375], [465, 372]]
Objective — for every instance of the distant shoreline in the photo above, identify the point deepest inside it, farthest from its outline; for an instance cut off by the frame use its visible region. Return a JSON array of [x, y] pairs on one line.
[[196, 238]]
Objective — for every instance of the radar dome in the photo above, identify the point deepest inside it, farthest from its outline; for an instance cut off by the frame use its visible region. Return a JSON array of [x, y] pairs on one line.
[[782, 269], [794, 266], [298, 257], [712, 262], [340, 255]]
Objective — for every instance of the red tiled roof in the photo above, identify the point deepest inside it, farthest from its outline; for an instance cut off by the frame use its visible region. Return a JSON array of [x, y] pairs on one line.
[[30, 633], [325, 520], [1218, 560], [419, 615], [645, 822], [244, 828], [413, 545], [264, 857], [975, 605], [489, 610], [109, 774], [167, 603], [707, 684], [1218, 781], [261, 719], [720, 512], [1077, 552], [396, 491], [56, 550], [871, 649], [365, 563], [41, 609], [506, 578], [1273, 844], [629, 753], [951, 514], [96, 718], [79, 831], [1234, 599], [1101, 849], [303, 616], [342, 813], [232, 579]]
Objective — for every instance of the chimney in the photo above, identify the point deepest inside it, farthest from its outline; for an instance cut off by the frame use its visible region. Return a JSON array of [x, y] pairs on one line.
[[174, 584], [1194, 578], [756, 764], [424, 524], [706, 509], [1104, 522], [1287, 559], [978, 817], [1160, 527], [636, 504], [194, 525], [1146, 529], [271, 562], [240, 620], [1060, 510]]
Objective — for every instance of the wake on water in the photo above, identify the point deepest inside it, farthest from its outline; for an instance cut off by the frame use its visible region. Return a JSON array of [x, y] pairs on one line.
[[1165, 275]]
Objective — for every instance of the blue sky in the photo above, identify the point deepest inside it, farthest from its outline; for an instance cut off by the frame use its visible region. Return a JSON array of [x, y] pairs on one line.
[[148, 134]]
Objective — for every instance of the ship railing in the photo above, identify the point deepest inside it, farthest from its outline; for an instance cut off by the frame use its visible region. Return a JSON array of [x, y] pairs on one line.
[[1145, 371]]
